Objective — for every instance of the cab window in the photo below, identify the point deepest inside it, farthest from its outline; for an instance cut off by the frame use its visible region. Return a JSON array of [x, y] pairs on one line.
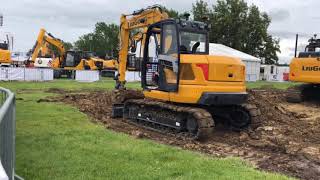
[[169, 40], [192, 42]]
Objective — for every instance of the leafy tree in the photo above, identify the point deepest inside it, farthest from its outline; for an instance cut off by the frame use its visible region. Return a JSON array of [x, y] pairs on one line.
[[200, 10], [104, 40], [242, 27], [171, 12], [67, 45]]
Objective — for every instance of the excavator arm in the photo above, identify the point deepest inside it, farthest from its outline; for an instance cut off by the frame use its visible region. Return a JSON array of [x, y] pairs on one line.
[[140, 19], [43, 40]]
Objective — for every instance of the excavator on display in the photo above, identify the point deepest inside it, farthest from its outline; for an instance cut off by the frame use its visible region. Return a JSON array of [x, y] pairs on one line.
[[66, 62], [185, 89], [95, 63], [305, 68], [5, 53]]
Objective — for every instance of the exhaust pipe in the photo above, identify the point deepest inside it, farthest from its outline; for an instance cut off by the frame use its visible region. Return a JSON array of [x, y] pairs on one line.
[[296, 47]]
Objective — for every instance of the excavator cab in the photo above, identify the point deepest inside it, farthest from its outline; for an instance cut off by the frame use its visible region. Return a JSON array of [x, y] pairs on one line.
[[4, 45], [165, 42], [160, 67], [5, 54], [72, 58], [312, 49]]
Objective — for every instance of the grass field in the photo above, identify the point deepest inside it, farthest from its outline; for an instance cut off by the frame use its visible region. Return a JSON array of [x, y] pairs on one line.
[[56, 141]]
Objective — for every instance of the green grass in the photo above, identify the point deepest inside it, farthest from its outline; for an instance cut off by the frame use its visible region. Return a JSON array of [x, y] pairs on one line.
[[56, 141], [65, 84], [277, 85]]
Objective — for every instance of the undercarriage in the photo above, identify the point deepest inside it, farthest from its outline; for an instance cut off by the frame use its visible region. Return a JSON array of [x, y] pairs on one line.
[[193, 121], [305, 92]]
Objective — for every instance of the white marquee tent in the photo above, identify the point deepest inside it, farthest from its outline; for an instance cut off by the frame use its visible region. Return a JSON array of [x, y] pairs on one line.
[[252, 63]]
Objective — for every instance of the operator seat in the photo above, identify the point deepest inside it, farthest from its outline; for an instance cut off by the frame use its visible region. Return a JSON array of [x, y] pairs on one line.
[[171, 77]]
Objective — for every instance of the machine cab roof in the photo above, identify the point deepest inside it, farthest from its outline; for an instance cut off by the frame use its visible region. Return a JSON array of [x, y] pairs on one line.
[[312, 49]]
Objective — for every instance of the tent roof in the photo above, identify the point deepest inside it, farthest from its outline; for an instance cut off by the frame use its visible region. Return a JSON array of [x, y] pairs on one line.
[[222, 50]]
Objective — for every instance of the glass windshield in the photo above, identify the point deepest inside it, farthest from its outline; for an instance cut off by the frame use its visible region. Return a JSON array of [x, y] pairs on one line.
[[169, 41], [90, 54], [69, 60], [191, 42]]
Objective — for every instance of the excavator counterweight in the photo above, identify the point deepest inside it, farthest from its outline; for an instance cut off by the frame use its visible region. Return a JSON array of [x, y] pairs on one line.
[[305, 68]]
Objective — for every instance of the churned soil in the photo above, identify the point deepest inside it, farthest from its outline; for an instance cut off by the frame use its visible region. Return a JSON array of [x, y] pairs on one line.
[[285, 140]]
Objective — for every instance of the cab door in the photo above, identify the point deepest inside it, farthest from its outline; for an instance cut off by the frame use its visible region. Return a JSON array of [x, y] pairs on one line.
[[169, 58], [160, 67]]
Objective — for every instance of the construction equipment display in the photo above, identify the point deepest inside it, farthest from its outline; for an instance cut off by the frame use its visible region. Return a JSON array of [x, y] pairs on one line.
[[66, 62], [185, 89], [5, 53], [305, 68]]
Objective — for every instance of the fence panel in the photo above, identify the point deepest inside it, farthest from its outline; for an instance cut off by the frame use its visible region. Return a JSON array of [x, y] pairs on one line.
[[15, 74], [87, 76], [38, 74], [25, 74], [7, 132]]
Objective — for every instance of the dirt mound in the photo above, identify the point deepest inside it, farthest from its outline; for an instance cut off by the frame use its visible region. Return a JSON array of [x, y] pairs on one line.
[[286, 140]]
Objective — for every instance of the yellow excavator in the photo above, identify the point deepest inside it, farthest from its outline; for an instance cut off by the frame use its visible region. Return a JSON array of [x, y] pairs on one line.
[[305, 68], [5, 54], [93, 62], [185, 89], [66, 62]]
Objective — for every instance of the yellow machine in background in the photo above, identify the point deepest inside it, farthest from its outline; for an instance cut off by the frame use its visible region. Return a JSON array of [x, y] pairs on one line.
[[41, 47], [5, 54], [186, 89], [66, 62], [306, 69], [93, 62]]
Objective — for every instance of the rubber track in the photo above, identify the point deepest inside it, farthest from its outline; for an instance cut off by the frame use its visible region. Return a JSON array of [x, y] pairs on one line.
[[204, 119], [294, 94], [254, 112]]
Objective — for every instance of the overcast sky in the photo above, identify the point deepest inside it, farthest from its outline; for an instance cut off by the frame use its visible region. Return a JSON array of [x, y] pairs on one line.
[[68, 19]]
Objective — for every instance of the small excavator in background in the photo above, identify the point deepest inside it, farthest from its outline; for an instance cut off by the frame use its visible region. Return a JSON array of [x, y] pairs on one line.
[[63, 64], [107, 66], [185, 89], [66, 62], [5, 54], [305, 68]]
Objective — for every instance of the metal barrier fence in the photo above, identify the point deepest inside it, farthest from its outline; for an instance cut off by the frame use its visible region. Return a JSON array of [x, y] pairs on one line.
[[7, 131], [25, 74]]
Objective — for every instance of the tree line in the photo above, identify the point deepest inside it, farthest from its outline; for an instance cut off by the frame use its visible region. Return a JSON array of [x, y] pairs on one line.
[[233, 23]]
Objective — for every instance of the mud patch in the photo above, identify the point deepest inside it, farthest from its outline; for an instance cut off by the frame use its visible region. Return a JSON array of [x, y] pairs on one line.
[[57, 91], [286, 139]]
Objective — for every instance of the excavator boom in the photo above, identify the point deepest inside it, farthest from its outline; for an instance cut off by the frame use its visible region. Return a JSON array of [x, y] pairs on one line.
[[140, 19], [43, 40]]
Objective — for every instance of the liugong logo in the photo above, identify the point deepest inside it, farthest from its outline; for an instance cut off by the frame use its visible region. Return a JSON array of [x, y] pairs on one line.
[[310, 68]]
